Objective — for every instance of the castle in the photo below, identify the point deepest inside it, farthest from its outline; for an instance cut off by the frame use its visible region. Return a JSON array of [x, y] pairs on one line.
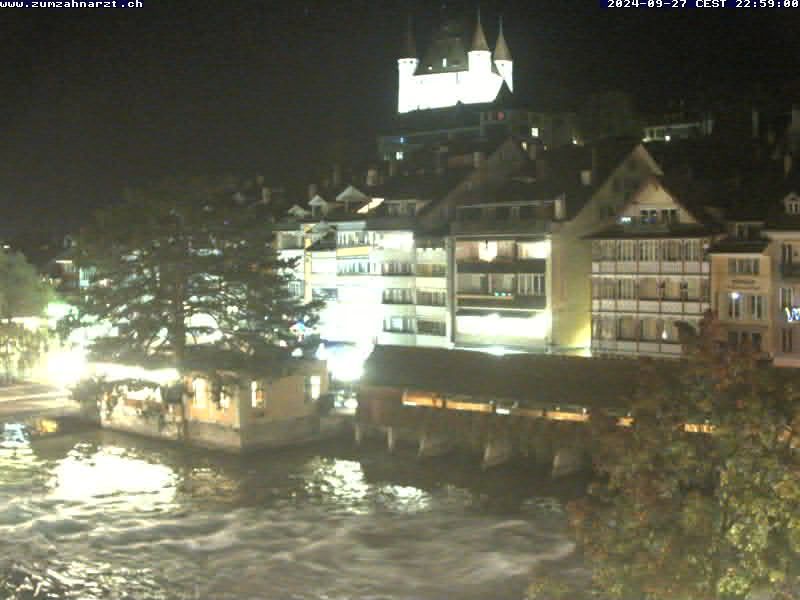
[[448, 74]]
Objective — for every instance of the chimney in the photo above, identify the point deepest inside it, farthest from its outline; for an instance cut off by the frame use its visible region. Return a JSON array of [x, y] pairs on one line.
[[337, 175], [755, 122], [312, 190], [787, 164]]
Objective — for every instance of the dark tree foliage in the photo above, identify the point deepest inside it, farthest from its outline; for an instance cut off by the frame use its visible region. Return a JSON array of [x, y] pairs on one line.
[[699, 515], [22, 294], [186, 262]]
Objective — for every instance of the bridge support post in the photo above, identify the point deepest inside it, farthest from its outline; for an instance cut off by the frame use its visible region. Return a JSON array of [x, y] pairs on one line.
[[391, 439], [358, 433]]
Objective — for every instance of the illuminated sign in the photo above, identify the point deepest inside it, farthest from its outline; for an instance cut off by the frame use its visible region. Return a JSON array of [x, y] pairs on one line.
[[792, 314]]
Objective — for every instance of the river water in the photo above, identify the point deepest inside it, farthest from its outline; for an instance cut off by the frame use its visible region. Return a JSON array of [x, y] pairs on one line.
[[104, 515]]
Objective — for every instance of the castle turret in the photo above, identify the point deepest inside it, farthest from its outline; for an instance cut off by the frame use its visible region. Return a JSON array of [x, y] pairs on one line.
[[479, 55], [503, 60], [406, 66]]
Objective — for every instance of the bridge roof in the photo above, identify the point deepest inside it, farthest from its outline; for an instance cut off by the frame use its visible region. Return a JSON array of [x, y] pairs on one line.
[[529, 379]]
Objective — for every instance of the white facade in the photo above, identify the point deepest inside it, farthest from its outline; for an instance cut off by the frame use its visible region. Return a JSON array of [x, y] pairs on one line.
[[437, 84]]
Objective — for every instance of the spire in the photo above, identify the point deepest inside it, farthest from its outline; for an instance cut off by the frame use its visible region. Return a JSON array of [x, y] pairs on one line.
[[479, 39], [409, 43], [501, 51]]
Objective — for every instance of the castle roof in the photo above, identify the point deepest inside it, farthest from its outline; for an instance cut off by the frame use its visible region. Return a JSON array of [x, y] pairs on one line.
[[479, 42], [501, 51]]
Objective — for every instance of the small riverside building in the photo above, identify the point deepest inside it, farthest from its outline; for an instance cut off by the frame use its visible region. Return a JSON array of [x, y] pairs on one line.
[[225, 409]]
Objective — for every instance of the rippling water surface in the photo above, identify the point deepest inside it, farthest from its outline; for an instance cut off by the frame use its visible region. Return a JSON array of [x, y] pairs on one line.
[[110, 516]]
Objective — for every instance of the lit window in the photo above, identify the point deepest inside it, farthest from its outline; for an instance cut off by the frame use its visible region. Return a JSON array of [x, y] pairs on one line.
[[535, 132], [399, 155], [313, 388], [200, 389], [257, 397], [444, 62]]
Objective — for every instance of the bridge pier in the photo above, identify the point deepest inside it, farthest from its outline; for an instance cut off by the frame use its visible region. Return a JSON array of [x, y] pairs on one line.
[[568, 461], [498, 450], [433, 444]]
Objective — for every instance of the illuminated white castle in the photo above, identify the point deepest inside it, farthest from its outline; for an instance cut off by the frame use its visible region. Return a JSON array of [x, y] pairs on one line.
[[449, 74]]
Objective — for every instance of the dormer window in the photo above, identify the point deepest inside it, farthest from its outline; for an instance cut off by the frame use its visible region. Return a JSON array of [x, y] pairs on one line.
[[793, 206]]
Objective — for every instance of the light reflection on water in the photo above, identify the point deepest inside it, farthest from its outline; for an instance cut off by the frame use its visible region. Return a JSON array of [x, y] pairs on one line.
[[111, 516]]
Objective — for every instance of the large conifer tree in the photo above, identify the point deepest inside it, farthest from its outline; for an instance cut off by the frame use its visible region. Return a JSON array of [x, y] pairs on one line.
[[187, 262]]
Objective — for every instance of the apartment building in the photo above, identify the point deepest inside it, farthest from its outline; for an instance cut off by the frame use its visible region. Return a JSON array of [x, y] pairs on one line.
[[783, 230], [650, 273]]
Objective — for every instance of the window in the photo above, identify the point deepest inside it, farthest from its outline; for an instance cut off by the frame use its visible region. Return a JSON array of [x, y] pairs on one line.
[[431, 297], [351, 266], [735, 306], [431, 270], [626, 289], [200, 389], [755, 341], [692, 250], [398, 296], [396, 268], [627, 251], [793, 206], [786, 297], [647, 251], [398, 325], [531, 284], [296, 288], [787, 254], [225, 397], [786, 340], [257, 396], [325, 294], [743, 266], [535, 132], [437, 328], [757, 307], [313, 388], [672, 250]]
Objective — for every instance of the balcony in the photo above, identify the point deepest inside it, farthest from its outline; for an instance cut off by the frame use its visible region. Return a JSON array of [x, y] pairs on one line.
[[503, 265], [478, 300]]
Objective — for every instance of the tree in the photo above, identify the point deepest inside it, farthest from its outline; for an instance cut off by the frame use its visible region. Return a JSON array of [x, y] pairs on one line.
[[692, 515], [185, 262], [22, 294]]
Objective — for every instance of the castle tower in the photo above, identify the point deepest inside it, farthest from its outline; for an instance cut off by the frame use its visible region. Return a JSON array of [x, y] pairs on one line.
[[479, 55], [407, 66], [503, 60]]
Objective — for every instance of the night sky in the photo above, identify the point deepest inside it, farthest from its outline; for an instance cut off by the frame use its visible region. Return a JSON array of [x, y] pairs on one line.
[[93, 101]]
